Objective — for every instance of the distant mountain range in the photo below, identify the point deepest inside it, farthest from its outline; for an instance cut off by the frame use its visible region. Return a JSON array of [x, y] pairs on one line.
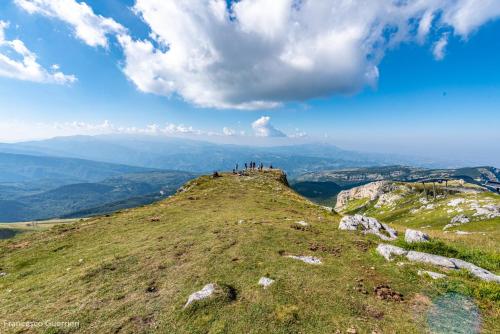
[[198, 156], [82, 175]]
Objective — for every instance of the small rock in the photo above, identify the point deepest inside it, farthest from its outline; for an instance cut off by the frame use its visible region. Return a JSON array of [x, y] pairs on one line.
[[265, 282], [207, 291], [3, 274], [432, 274], [306, 259], [80, 261], [460, 219], [351, 330], [413, 236], [462, 233], [241, 221], [302, 223]]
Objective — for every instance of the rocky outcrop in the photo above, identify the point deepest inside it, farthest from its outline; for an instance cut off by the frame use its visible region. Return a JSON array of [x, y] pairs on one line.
[[457, 220], [207, 291], [413, 236], [371, 191], [368, 225], [389, 251]]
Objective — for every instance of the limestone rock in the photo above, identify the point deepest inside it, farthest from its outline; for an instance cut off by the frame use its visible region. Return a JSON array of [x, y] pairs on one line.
[[368, 225], [387, 251], [207, 291], [476, 271], [306, 259], [265, 282], [460, 219], [303, 223], [371, 191], [431, 259], [413, 236]]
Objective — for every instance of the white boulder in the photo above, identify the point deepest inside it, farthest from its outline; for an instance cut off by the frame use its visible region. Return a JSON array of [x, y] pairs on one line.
[[388, 251], [413, 236], [265, 282], [368, 225], [207, 291]]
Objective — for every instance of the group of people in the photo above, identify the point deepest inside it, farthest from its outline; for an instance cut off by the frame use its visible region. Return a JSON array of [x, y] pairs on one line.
[[252, 165]]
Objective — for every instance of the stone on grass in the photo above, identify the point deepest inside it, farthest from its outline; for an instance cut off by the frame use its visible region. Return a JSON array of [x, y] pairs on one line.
[[265, 282], [387, 251], [457, 220], [303, 223], [368, 225], [479, 272], [412, 236], [306, 259], [431, 259], [460, 219], [431, 274], [3, 274], [207, 291]]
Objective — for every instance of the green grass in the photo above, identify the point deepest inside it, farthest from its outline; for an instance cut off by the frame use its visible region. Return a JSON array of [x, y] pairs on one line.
[[129, 273]]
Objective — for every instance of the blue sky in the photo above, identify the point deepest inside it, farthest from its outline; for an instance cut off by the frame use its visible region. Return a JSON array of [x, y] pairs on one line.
[[417, 104]]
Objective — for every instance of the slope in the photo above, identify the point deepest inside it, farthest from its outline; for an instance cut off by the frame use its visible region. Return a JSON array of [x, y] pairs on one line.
[[133, 271]]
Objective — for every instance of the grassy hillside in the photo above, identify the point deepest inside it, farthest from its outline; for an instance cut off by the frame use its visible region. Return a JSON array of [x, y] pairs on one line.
[[133, 271]]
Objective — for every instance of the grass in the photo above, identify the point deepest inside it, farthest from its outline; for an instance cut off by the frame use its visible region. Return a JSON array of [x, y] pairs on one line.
[[133, 271]]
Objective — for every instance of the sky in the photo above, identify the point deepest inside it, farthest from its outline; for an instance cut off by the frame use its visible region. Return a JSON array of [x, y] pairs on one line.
[[416, 77]]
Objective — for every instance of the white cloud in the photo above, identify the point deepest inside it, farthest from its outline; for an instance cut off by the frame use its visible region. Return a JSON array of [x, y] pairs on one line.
[[263, 128], [89, 27], [439, 49], [13, 130], [259, 53], [228, 131], [262, 53], [18, 62]]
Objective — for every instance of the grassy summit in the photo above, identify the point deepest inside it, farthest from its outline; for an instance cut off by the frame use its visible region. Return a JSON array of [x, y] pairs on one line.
[[133, 271]]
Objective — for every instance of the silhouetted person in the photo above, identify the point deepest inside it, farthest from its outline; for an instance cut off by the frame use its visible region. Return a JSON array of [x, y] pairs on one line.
[[271, 167], [246, 166], [236, 167]]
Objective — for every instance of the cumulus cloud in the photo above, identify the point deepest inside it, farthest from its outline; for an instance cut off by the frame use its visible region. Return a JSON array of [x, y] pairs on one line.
[[18, 62], [256, 54], [89, 27], [263, 128]]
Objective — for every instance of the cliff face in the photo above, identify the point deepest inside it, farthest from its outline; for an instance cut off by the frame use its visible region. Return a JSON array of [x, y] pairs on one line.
[[369, 191]]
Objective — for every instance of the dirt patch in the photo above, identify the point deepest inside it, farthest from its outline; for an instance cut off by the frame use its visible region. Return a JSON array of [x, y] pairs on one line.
[[19, 245], [372, 312], [363, 245], [333, 250], [154, 219], [360, 286], [420, 303], [385, 292]]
